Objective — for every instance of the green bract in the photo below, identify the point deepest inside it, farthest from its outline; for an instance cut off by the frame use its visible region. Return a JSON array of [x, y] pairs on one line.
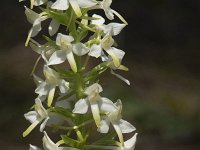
[[69, 93]]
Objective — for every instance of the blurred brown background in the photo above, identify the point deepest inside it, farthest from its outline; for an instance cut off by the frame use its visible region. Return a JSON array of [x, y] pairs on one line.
[[162, 44]]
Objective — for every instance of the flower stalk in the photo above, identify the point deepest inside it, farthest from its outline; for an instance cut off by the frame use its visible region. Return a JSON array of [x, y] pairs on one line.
[[69, 95]]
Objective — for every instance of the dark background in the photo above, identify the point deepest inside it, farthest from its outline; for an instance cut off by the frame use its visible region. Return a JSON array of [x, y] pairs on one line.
[[162, 45]]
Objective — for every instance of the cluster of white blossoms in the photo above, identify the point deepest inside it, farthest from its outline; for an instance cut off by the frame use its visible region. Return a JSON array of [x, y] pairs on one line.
[[69, 97]]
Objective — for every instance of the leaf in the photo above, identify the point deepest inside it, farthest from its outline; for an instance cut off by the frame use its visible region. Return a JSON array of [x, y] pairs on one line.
[[107, 140], [70, 142], [62, 111]]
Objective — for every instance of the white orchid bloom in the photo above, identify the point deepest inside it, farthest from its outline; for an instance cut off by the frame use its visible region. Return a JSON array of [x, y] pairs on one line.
[[48, 86], [106, 44], [120, 125], [66, 52], [36, 117], [105, 5], [76, 4], [112, 28], [36, 2], [95, 101], [120, 54], [48, 144], [35, 19]]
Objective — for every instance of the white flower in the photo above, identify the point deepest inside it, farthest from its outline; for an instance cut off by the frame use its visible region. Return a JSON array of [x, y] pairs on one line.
[[36, 2], [105, 5], [112, 28], [120, 125], [36, 117], [106, 44], [66, 52], [48, 86], [35, 19], [48, 144], [95, 101], [76, 4]]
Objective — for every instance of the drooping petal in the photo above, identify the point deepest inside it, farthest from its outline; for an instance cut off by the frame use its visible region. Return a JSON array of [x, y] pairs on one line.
[[31, 116], [51, 96], [125, 126], [116, 60], [86, 3], [95, 112], [32, 147], [104, 126], [60, 5], [81, 107], [30, 128], [80, 49], [72, 62], [75, 7], [120, 77], [57, 57], [53, 27], [95, 51]]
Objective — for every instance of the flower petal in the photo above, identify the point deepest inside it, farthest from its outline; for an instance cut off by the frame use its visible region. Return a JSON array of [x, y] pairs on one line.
[[113, 28], [42, 126], [72, 62], [80, 49], [32, 147], [81, 107], [86, 3], [95, 51], [53, 27], [126, 127], [48, 144], [107, 105], [95, 113], [63, 86], [130, 144], [51, 96], [120, 77], [75, 7], [31, 116], [57, 57], [30, 128], [119, 132], [60, 5], [99, 22], [104, 126]]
